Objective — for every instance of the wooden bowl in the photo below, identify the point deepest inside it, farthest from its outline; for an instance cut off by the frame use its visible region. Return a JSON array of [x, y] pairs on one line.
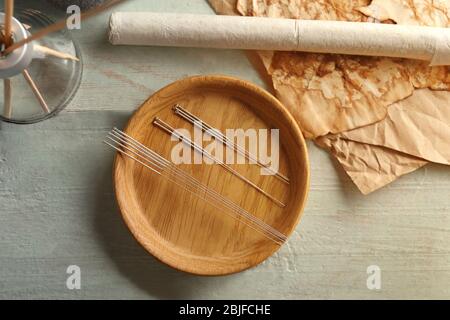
[[184, 231]]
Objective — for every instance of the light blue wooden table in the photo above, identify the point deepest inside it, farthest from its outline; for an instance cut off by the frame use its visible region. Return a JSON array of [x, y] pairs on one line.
[[57, 206]]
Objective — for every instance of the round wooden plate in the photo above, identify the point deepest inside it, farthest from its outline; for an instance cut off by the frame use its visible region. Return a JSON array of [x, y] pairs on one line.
[[183, 230]]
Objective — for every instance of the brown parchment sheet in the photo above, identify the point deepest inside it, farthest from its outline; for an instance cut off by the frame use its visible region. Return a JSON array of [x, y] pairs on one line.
[[410, 12], [418, 125], [415, 131], [225, 7], [370, 167], [334, 93]]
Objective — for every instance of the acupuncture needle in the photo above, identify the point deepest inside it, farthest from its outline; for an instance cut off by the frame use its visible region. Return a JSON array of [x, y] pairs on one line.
[[272, 233], [199, 123], [123, 137], [167, 128]]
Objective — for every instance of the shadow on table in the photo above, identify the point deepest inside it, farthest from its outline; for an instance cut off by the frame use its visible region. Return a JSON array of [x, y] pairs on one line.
[[133, 262]]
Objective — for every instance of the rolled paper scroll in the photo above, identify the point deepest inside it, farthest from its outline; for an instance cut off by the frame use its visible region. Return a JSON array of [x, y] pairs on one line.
[[258, 33]]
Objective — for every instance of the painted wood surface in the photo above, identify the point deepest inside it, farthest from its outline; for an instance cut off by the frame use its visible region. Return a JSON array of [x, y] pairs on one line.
[[57, 206]]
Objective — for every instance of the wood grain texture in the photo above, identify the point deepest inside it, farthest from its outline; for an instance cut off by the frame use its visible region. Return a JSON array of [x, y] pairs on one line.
[[193, 235], [57, 205]]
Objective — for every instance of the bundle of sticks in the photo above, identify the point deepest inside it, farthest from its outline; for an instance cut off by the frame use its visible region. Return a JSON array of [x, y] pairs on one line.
[[8, 46]]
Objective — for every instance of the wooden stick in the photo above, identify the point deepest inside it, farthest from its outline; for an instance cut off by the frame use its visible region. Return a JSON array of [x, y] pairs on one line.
[[55, 53], [60, 25], [36, 91], [7, 39], [7, 109], [9, 11]]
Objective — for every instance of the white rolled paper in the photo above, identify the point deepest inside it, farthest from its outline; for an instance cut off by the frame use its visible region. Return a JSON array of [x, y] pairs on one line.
[[257, 33]]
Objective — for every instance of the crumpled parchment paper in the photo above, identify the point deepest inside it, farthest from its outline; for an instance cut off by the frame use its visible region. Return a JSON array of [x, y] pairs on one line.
[[380, 165], [410, 12], [345, 102], [418, 126], [415, 131]]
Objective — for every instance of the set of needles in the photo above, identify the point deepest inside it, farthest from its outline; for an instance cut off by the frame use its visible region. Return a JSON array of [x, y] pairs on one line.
[[135, 150]]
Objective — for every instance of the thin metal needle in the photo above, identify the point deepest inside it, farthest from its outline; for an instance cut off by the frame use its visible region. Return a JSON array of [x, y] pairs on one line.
[[187, 180], [197, 122], [167, 128], [36, 91], [189, 183]]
